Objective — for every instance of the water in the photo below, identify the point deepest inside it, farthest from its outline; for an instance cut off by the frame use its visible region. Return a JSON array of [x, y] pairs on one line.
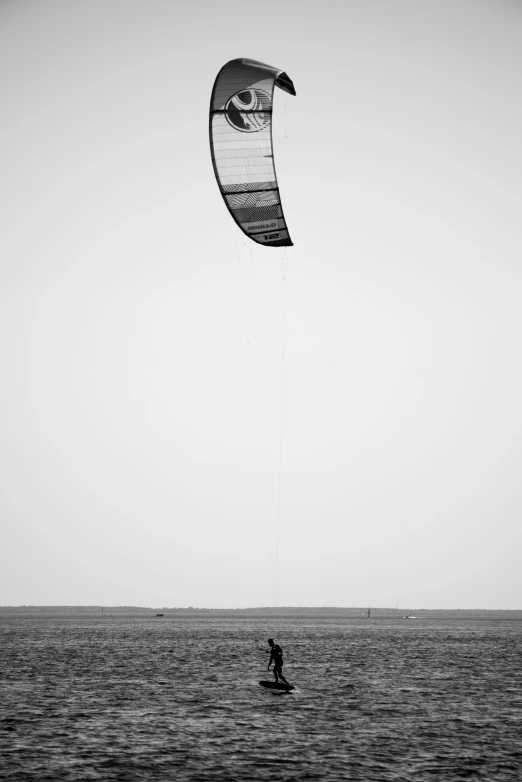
[[178, 699]]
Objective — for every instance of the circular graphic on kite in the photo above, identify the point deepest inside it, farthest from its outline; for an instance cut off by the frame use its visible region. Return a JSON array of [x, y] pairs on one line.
[[257, 103]]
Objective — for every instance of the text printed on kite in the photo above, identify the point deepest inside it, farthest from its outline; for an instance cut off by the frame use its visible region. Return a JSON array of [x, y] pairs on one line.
[[240, 127]]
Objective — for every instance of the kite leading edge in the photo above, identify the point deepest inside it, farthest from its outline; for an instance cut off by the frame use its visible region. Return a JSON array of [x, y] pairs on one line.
[[240, 128]]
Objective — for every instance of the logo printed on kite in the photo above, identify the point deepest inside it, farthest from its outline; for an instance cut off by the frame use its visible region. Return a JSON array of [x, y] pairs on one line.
[[254, 101], [258, 226]]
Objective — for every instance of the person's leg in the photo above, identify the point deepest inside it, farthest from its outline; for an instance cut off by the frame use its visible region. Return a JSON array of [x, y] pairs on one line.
[[281, 675]]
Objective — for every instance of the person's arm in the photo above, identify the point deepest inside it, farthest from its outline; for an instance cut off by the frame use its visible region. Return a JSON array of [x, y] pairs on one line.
[[271, 658]]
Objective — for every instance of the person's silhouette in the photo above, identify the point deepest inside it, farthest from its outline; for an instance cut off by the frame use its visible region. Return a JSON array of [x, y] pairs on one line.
[[276, 656]]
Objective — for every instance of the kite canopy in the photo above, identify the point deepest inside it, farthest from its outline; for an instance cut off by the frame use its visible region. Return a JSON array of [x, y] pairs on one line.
[[241, 147]]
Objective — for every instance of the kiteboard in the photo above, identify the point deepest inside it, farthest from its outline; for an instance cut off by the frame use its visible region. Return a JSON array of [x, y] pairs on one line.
[[277, 686]]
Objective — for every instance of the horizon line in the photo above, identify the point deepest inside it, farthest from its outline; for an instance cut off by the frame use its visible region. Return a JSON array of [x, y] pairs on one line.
[[249, 608]]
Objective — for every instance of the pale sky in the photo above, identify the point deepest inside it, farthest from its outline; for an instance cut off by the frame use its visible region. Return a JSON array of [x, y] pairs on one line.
[[146, 345]]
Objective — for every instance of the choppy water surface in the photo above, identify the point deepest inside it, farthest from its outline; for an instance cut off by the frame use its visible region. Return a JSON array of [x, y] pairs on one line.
[[159, 699]]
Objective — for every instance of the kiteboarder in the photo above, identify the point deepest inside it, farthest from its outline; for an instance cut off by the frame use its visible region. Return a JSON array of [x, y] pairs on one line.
[[276, 656]]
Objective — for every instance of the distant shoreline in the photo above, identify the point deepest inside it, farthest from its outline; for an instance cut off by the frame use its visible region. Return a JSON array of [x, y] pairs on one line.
[[265, 612]]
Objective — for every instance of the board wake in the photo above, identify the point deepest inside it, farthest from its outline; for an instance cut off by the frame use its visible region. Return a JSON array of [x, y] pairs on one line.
[[277, 686]]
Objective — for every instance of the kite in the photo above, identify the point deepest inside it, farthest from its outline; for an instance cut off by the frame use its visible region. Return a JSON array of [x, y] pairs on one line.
[[240, 127]]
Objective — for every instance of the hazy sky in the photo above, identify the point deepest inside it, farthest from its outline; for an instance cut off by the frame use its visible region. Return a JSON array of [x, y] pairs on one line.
[[144, 345]]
